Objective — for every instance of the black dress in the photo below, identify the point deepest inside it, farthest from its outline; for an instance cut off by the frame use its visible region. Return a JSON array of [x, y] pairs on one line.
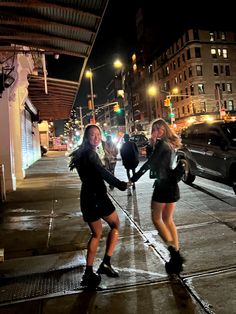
[[166, 189], [94, 200]]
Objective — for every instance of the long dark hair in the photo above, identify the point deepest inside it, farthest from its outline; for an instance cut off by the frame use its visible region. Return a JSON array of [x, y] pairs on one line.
[[84, 145]]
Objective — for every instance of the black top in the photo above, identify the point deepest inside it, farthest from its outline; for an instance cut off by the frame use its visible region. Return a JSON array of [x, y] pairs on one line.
[[93, 173], [159, 162]]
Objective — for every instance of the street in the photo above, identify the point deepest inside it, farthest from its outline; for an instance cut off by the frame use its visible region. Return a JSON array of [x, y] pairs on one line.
[[45, 239]]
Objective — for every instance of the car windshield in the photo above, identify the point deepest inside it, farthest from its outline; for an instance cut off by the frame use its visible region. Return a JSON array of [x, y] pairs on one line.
[[230, 131]]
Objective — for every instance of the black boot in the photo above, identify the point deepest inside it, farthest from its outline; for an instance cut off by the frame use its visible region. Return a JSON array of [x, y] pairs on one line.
[[90, 280], [175, 264], [108, 270]]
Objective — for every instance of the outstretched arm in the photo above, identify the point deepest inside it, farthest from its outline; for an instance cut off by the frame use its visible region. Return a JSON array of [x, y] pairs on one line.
[[152, 160], [106, 175]]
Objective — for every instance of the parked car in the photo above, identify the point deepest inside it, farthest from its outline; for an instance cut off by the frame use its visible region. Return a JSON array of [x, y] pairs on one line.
[[209, 149], [142, 141]]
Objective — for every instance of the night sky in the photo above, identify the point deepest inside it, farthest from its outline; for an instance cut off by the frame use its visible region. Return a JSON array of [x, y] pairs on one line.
[[117, 37]]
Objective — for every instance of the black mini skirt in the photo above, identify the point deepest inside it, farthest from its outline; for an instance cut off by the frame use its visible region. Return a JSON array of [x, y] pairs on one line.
[[167, 193]]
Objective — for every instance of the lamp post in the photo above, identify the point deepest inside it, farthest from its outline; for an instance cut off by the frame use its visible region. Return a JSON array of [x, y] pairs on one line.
[[89, 74], [152, 92], [118, 64]]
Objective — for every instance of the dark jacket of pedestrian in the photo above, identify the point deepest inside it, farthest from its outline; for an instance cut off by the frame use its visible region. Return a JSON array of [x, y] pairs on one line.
[[129, 153]]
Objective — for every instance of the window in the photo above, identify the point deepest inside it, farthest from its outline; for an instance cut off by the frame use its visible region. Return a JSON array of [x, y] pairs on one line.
[[188, 54], [230, 105], [213, 137], [183, 57], [178, 62], [229, 87], [199, 70], [213, 53], [167, 70], [201, 88], [225, 53], [212, 36], [197, 52], [227, 70], [223, 36], [190, 72], [180, 77], [216, 70]]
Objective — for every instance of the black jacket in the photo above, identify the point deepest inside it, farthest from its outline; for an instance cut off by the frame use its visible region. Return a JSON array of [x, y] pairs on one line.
[[159, 162], [93, 173], [129, 155]]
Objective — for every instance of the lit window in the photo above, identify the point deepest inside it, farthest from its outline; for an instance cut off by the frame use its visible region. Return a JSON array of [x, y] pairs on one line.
[[201, 89], [212, 37], [225, 53]]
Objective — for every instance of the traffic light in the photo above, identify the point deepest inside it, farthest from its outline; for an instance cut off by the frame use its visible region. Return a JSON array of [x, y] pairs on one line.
[[116, 108], [167, 102]]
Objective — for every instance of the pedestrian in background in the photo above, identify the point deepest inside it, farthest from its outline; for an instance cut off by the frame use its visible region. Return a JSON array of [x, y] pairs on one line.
[[166, 190], [130, 156], [111, 153], [95, 203]]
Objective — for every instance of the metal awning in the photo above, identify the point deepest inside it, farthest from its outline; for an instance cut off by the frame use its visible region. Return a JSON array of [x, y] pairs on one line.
[[56, 104], [58, 27]]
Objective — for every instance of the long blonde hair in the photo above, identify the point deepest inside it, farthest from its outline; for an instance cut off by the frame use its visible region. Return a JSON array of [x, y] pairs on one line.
[[169, 135]]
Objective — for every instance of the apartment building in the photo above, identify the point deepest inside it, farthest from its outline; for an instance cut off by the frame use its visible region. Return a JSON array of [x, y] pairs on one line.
[[198, 74]]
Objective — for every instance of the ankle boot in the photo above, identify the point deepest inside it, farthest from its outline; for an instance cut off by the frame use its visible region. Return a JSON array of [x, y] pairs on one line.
[[175, 264]]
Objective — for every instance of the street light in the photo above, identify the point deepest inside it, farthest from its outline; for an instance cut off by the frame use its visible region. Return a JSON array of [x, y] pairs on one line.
[[89, 74], [118, 64], [152, 91]]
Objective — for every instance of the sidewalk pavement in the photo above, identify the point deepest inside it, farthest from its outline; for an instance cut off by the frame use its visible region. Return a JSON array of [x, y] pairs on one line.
[[44, 239]]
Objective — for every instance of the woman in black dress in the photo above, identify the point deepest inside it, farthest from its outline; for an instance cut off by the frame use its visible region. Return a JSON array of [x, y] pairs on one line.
[[95, 203], [166, 189]]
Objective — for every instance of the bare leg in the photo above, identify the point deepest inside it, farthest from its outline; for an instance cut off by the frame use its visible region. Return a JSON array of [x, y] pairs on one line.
[[162, 217], [96, 229], [114, 222], [105, 267], [167, 217]]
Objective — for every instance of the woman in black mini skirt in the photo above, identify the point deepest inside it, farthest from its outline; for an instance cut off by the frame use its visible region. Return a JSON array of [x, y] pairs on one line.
[[166, 190]]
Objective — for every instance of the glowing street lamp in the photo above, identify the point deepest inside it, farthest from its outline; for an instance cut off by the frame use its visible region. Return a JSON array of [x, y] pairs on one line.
[[89, 75]]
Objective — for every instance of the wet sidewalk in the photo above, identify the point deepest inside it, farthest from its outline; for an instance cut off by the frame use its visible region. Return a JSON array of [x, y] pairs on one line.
[[45, 239]]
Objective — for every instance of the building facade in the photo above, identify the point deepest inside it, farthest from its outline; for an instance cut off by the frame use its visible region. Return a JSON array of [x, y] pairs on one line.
[[196, 73]]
